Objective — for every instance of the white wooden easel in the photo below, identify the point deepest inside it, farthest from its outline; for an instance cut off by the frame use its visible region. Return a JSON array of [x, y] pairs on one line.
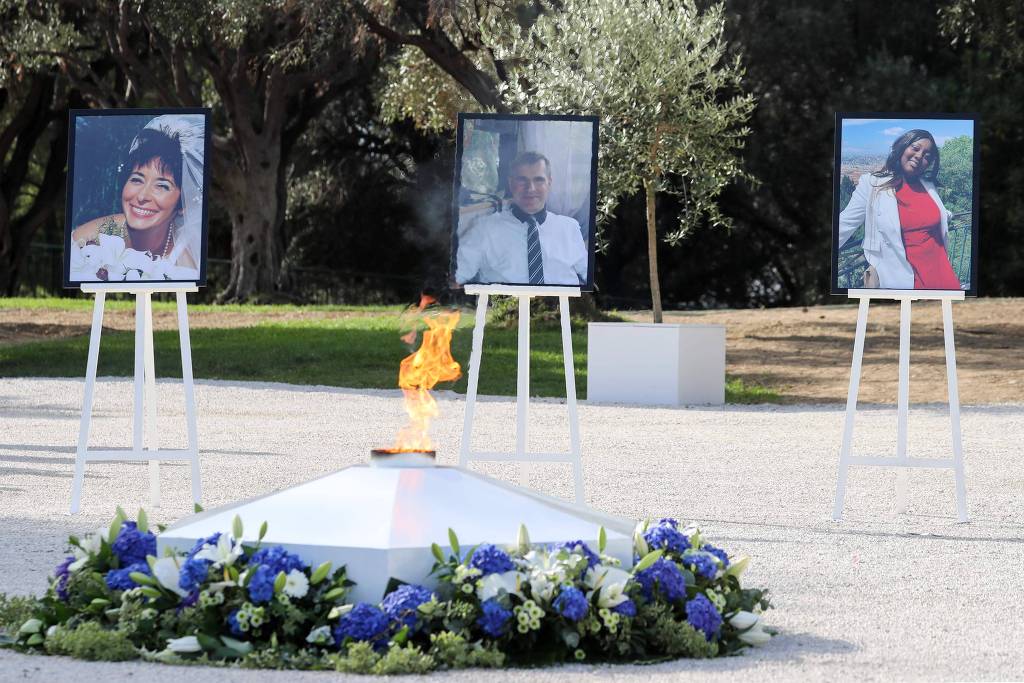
[[143, 434], [903, 460], [525, 293]]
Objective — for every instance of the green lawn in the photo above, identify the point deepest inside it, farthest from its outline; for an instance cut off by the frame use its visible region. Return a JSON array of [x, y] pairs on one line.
[[357, 352]]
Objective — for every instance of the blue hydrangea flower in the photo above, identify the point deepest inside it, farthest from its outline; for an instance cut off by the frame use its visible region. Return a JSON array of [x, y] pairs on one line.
[[703, 616], [666, 536], [193, 573], [494, 618], [702, 563], [61, 574], [580, 548], [571, 603], [236, 630], [363, 622], [209, 540], [717, 552], [189, 600], [626, 608], [400, 604], [261, 585], [131, 545], [118, 579], [666, 577], [490, 559], [277, 559], [668, 521]]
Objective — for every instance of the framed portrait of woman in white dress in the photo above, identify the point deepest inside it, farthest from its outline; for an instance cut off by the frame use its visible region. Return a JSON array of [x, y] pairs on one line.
[[137, 196]]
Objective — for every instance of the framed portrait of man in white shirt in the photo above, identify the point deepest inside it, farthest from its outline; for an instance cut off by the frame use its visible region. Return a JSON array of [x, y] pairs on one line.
[[525, 200]]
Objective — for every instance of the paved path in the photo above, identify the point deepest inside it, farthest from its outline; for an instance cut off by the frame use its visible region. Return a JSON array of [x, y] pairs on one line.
[[872, 598]]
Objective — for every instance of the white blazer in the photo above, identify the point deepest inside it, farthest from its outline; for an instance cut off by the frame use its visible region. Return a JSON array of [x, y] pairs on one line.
[[875, 208]]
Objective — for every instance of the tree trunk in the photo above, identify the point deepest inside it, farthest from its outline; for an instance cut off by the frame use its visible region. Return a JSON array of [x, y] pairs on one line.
[[256, 206], [652, 250]]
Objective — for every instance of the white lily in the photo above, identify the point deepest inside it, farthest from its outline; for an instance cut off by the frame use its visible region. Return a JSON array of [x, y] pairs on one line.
[[184, 644], [756, 636], [296, 585], [752, 628], [87, 546], [492, 584], [744, 620], [224, 553], [167, 572], [610, 583]]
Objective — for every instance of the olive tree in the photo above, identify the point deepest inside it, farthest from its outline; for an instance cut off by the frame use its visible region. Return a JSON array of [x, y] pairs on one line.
[[671, 108]]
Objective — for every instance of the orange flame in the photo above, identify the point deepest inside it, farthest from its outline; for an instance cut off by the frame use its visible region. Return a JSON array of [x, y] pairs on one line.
[[420, 371]]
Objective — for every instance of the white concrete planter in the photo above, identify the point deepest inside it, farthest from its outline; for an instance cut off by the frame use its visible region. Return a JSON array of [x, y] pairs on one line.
[[649, 364]]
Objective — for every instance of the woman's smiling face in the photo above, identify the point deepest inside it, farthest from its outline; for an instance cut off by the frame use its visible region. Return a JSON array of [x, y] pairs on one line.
[[150, 196], [917, 157]]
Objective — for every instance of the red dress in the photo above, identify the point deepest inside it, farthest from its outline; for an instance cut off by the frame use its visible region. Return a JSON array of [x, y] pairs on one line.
[[922, 239]]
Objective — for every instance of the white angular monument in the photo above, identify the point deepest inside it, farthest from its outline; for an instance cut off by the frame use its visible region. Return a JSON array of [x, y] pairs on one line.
[[379, 520]]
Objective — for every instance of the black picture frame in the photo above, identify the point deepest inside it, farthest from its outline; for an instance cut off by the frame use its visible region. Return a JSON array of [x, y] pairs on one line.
[[837, 208], [83, 157], [459, 192]]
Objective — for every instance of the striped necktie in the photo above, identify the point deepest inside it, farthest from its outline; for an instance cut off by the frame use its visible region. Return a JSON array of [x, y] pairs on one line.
[[534, 261]]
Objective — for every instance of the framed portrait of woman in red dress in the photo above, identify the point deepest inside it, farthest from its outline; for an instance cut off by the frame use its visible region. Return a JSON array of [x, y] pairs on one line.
[[905, 198]]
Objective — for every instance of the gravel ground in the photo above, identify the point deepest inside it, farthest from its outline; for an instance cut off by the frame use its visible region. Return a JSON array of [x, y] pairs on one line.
[[876, 597]]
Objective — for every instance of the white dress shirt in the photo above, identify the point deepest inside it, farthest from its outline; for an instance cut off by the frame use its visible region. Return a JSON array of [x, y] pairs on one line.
[[492, 250]]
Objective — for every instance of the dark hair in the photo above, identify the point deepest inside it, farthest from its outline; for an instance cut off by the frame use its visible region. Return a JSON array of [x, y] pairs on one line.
[[892, 168], [153, 144], [529, 159]]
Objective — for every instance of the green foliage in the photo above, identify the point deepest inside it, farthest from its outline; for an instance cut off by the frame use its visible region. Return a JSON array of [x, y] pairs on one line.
[[360, 658], [15, 610], [669, 98], [452, 651], [404, 659], [91, 641], [669, 634]]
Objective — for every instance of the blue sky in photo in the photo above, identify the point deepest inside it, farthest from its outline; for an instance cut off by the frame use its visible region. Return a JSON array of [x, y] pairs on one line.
[[875, 136]]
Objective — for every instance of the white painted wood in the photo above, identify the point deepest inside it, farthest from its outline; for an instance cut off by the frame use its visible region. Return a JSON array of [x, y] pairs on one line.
[[522, 290], [190, 399], [656, 364], [912, 294], [521, 454], [135, 287], [954, 411], [90, 386], [903, 461], [465, 449], [570, 399], [149, 400], [851, 408], [145, 446], [523, 387], [903, 405]]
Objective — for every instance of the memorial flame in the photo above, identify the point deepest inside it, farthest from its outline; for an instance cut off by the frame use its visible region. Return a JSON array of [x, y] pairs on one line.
[[431, 363]]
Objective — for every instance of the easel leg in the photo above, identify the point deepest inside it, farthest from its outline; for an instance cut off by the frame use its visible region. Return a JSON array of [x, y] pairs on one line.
[[149, 401], [903, 407], [954, 411], [190, 399], [851, 408], [90, 387], [474, 379], [570, 400], [523, 387]]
